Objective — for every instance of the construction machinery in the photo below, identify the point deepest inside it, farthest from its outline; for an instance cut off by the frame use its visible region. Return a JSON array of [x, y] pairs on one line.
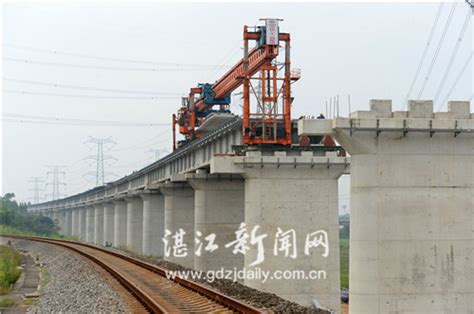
[[266, 91]]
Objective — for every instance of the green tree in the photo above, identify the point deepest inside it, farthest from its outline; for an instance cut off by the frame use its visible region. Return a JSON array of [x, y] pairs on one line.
[[16, 215]]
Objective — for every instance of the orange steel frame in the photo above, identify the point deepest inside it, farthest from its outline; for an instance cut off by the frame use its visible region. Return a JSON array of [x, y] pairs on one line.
[[254, 61], [272, 117]]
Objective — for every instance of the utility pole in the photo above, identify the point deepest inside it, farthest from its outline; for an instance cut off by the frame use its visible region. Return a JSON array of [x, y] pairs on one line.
[[56, 182], [37, 181], [99, 158]]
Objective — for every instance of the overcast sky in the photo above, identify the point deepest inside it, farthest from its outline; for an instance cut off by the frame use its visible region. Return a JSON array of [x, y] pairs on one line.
[[367, 50]]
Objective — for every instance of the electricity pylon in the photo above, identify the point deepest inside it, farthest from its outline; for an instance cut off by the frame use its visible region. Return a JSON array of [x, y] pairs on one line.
[[99, 158], [56, 182], [36, 189]]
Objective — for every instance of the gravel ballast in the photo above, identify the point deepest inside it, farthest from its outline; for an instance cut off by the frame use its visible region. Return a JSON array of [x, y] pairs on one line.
[[236, 290], [73, 284]]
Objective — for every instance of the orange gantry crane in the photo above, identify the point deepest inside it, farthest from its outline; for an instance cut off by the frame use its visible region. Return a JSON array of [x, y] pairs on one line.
[[268, 121]]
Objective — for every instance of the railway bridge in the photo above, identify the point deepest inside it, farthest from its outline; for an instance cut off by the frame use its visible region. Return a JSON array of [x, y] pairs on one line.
[[212, 186], [412, 206]]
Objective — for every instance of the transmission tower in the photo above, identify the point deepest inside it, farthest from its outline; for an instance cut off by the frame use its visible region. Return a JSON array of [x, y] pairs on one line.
[[100, 158], [56, 174], [36, 181]]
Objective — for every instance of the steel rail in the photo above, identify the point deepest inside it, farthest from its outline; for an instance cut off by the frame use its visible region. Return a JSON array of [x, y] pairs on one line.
[[148, 302]]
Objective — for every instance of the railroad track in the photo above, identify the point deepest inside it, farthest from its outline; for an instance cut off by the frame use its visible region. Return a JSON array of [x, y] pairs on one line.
[[150, 286]]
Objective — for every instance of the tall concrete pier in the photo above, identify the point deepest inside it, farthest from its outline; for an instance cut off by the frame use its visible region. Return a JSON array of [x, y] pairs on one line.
[[120, 223], [292, 194], [99, 224], [68, 222], [134, 223], [218, 210], [82, 223], [153, 223], [412, 207], [75, 222], [90, 220], [109, 222], [179, 214]]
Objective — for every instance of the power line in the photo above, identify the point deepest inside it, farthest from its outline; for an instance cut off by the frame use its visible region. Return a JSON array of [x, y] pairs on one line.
[[56, 85], [157, 152], [22, 118], [56, 182], [37, 181], [100, 158], [113, 59], [425, 51], [465, 66], [101, 67], [11, 91], [453, 56], [144, 144], [438, 48], [21, 121], [227, 58]]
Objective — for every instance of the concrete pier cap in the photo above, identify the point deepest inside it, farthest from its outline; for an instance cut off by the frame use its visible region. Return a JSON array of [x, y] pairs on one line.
[[412, 207]]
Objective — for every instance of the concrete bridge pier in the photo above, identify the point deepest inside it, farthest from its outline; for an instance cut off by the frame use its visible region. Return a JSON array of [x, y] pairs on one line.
[[90, 220], [99, 224], [153, 223], [75, 222], [134, 223], [412, 210], [179, 214], [412, 207], [55, 218], [68, 222], [82, 223], [109, 221], [120, 223], [219, 210], [292, 195]]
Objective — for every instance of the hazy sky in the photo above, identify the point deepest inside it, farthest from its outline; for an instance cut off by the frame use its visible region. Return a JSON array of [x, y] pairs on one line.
[[366, 50]]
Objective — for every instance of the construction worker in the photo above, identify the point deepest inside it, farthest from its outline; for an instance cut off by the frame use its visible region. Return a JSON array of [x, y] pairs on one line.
[[321, 116]]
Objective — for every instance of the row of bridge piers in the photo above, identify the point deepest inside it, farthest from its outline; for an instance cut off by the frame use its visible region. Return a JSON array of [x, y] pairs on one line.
[[412, 213], [262, 191]]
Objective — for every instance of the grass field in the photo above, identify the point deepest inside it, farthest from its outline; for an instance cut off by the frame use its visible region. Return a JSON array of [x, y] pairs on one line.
[[5, 230], [9, 272], [344, 261]]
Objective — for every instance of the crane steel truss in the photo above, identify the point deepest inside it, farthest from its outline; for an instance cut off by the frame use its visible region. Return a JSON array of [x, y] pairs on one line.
[[269, 120]]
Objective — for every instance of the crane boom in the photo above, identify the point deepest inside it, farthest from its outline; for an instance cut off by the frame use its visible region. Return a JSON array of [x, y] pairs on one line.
[[232, 80]]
